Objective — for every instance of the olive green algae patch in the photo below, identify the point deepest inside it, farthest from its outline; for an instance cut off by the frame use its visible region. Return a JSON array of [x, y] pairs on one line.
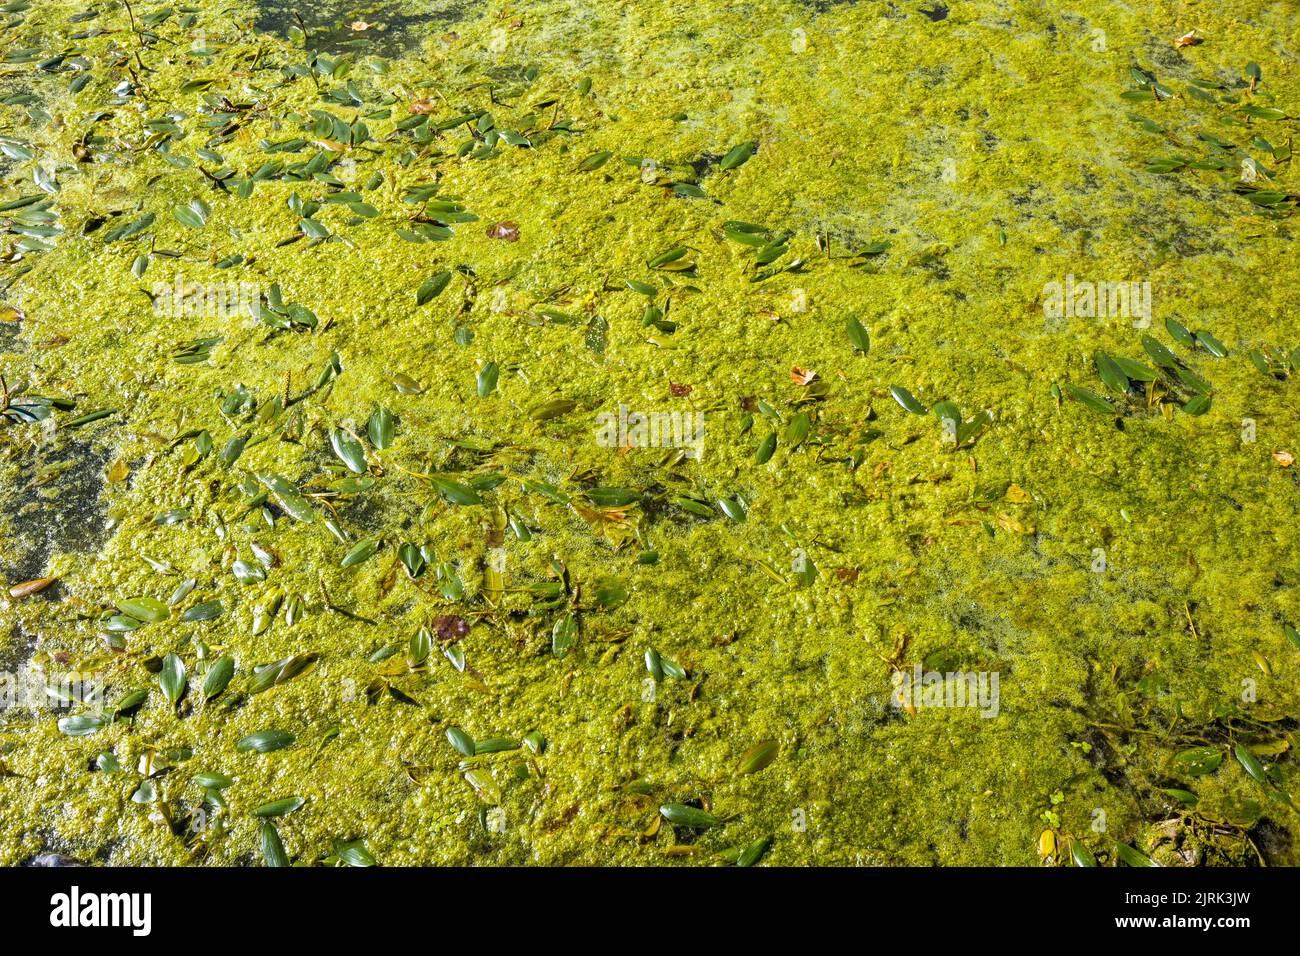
[[614, 433]]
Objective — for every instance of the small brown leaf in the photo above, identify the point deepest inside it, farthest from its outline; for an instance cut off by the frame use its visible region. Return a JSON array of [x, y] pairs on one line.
[[508, 231], [450, 627], [802, 376], [1284, 458], [28, 588]]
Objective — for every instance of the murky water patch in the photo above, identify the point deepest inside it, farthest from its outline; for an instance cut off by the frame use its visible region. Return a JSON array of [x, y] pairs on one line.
[[17, 645], [9, 332], [378, 28], [55, 508]]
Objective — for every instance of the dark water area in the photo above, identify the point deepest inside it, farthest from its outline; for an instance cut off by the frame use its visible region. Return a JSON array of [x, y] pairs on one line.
[[72, 520], [391, 28], [9, 332]]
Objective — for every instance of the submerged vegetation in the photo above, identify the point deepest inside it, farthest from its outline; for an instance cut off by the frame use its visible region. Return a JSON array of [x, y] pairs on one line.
[[313, 552]]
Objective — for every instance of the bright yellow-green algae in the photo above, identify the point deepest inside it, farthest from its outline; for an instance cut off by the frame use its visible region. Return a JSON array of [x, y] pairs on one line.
[[1103, 676]]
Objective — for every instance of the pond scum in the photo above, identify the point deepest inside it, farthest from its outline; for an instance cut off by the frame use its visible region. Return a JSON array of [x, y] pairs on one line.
[[951, 356]]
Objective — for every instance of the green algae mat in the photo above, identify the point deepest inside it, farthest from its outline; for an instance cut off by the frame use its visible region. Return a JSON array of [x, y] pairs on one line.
[[648, 433]]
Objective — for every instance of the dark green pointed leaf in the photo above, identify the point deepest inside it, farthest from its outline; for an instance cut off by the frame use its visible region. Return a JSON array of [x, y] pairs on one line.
[[432, 287], [1159, 353], [1292, 635], [679, 814], [754, 852], [288, 497], [461, 741], [265, 741], [1090, 399], [858, 335], [1111, 374], [486, 381], [353, 853], [595, 161], [564, 634], [1135, 370], [1131, 857], [1081, 855], [360, 552], [381, 428], [1180, 332], [278, 808], [1199, 761], [1211, 344], [454, 492], [737, 156], [207, 611], [272, 847], [907, 400], [218, 676], [145, 609], [348, 450], [172, 678], [1250, 762]]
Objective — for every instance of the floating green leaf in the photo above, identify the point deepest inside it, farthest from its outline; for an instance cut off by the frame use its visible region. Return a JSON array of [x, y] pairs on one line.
[[1250, 762], [265, 741], [145, 609], [207, 611], [737, 156], [1090, 399], [1081, 855], [218, 676], [381, 428], [172, 678], [486, 382], [349, 450], [907, 400], [278, 808], [454, 492], [461, 741], [858, 335], [432, 287], [1112, 376], [361, 552], [194, 214], [81, 725], [757, 757], [754, 852], [564, 634], [679, 814], [1199, 761], [1131, 857], [272, 847]]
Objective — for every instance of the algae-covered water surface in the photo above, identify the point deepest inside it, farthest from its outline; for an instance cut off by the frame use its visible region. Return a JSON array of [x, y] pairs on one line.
[[778, 433]]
